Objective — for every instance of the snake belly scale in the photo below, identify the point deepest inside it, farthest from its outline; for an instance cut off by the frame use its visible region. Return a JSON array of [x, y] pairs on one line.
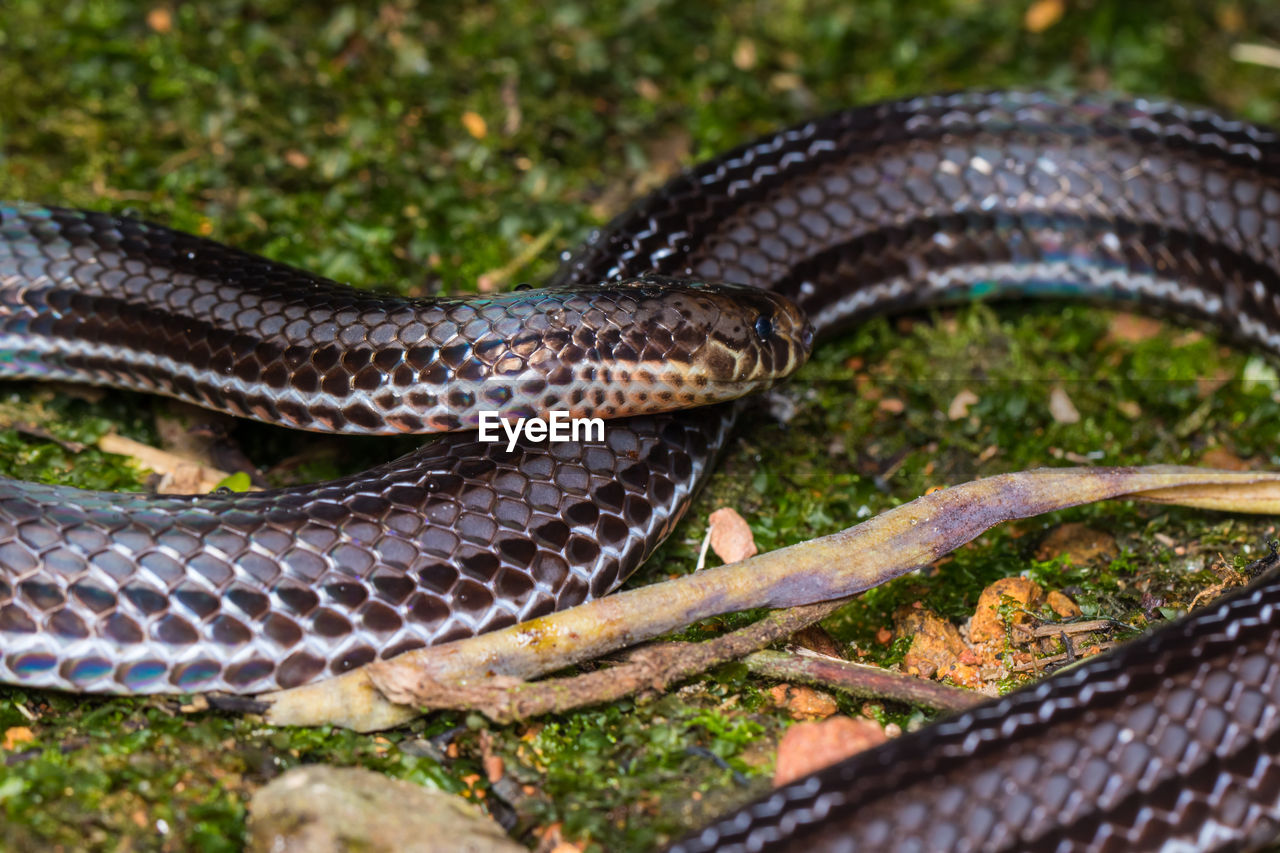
[[881, 208]]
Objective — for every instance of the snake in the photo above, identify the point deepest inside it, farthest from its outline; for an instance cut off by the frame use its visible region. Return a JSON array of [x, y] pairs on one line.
[[1169, 743]]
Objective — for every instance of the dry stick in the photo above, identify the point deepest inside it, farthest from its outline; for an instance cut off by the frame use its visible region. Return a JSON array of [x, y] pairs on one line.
[[1052, 660], [859, 679], [648, 669], [387, 693]]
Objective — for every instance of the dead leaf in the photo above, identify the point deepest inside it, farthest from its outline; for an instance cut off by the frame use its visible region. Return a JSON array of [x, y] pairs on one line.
[[647, 89], [960, 404], [1043, 14], [475, 124], [731, 536], [160, 19], [1061, 409]]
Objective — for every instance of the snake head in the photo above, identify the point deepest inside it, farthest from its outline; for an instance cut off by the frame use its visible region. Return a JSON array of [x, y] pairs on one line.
[[676, 343], [631, 347]]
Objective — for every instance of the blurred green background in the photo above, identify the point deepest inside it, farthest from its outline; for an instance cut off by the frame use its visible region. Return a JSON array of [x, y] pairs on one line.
[[444, 146]]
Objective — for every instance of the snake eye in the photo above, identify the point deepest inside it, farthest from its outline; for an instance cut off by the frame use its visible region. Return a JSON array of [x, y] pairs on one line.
[[764, 328]]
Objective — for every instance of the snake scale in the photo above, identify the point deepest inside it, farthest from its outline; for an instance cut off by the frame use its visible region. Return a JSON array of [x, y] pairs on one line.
[[1169, 744]]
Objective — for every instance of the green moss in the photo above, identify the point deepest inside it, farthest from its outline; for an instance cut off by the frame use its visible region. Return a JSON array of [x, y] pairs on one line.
[[332, 136]]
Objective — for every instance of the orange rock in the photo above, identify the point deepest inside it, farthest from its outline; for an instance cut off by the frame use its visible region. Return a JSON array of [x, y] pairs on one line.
[[808, 747], [15, 736], [804, 703], [1063, 606], [1080, 543], [986, 624], [964, 675], [936, 644]]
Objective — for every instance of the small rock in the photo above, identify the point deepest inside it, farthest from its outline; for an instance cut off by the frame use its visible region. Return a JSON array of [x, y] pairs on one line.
[[986, 624], [1063, 606], [1078, 542], [322, 809], [962, 675], [804, 703], [808, 747], [936, 644]]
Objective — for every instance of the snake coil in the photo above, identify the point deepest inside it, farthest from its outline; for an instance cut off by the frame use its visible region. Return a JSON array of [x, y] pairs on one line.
[[1172, 743]]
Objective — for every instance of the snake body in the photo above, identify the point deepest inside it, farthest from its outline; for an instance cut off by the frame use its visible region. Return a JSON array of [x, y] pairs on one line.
[[128, 593], [889, 207]]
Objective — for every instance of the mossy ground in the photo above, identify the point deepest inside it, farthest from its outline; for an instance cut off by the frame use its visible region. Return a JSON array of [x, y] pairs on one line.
[[418, 149]]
